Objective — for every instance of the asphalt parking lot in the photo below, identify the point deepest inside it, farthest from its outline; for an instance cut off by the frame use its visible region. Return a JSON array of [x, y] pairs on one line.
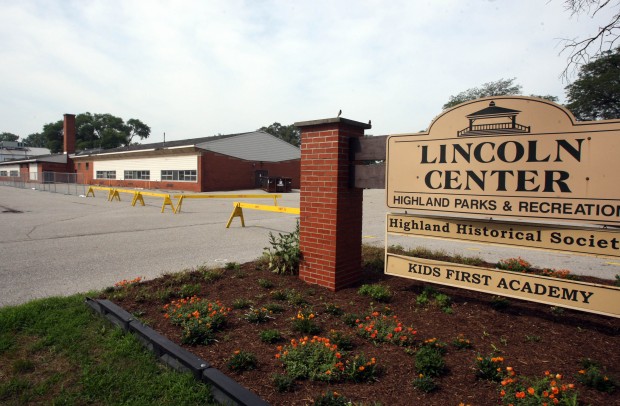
[[55, 244]]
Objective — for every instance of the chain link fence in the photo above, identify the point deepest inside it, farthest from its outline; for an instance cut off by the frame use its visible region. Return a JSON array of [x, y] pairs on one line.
[[55, 182]]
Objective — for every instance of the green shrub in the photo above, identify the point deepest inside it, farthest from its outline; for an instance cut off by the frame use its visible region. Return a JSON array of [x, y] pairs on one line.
[[212, 275], [265, 283], [270, 336], [429, 361], [514, 264], [424, 383], [331, 399], [279, 295], [525, 391], [593, 376], [242, 361], [241, 303], [199, 319], [377, 292], [342, 340], [489, 368], [333, 309], [259, 315], [352, 319], [461, 343], [360, 369], [188, 290], [304, 322], [284, 254], [283, 382], [274, 307], [232, 266]]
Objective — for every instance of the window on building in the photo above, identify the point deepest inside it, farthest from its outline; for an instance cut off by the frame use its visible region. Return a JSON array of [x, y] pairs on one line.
[[14, 173], [4, 173], [79, 165], [141, 175], [105, 175], [181, 176], [86, 165]]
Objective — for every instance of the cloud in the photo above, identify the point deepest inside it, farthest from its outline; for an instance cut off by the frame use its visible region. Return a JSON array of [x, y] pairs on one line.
[[198, 68]]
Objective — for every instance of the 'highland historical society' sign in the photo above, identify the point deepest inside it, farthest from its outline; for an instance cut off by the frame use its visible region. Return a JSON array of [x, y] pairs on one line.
[[512, 157]]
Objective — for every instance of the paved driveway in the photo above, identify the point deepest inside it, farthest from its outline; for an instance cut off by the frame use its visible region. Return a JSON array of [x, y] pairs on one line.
[[54, 244]]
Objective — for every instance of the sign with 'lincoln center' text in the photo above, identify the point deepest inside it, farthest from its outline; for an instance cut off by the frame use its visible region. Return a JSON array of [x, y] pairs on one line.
[[510, 157]]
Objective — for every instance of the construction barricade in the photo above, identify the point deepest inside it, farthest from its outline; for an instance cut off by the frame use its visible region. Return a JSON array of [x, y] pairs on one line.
[[238, 210], [275, 198]]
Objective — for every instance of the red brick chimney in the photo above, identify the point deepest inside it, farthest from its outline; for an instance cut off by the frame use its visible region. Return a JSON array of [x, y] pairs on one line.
[[69, 134]]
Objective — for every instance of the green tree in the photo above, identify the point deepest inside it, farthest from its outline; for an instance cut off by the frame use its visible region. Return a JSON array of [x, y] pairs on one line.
[[595, 94], [288, 133], [8, 137], [53, 135], [502, 87], [36, 140], [98, 131], [137, 128]]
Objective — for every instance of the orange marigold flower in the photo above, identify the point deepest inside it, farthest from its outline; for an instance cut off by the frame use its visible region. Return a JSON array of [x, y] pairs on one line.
[[530, 390], [571, 386], [237, 352], [520, 395], [582, 371], [558, 376], [502, 393], [278, 356], [555, 390], [361, 368]]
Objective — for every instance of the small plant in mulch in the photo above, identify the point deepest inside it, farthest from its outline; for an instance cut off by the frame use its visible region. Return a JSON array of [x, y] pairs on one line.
[[461, 343], [594, 376], [241, 303], [212, 275], [274, 307], [199, 319], [242, 361], [342, 340], [514, 264], [617, 281], [279, 295], [489, 368], [377, 292], [550, 390], [318, 359], [382, 328], [425, 383], [258, 315], [559, 273], [188, 290], [333, 309], [331, 399], [265, 283], [284, 255], [500, 303], [270, 336], [429, 361], [352, 319], [304, 322], [232, 266], [283, 382]]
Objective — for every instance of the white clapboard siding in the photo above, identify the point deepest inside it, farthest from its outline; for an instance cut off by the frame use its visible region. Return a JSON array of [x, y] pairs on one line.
[[155, 165]]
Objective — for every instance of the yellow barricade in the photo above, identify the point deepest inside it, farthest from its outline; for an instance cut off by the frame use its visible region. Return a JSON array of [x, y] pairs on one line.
[[91, 190], [138, 197], [226, 196], [238, 210]]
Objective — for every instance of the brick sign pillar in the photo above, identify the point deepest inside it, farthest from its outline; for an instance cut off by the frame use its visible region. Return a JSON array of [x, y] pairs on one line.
[[330, 209]]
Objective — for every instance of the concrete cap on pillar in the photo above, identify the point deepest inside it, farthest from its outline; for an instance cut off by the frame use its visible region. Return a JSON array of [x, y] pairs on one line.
[[335, 120]]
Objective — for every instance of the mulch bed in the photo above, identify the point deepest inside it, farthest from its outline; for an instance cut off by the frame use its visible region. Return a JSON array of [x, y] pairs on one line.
[[531, 337]]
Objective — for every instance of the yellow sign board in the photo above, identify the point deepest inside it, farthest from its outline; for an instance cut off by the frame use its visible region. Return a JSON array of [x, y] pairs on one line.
[[512, 157], [583, 240], [583, 296]]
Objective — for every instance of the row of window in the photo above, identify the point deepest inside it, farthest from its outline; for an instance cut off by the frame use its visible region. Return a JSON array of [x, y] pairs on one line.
[[177, 175], [9, 173]]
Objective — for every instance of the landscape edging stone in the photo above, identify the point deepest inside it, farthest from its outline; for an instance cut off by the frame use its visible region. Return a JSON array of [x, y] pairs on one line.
[[225, 390]]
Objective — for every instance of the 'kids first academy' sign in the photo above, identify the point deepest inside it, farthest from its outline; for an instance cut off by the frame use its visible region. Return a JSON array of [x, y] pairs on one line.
[[510, 157], [505, 159]]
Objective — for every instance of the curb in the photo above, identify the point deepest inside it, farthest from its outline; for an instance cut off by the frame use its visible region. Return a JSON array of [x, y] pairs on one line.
[[225, 390]]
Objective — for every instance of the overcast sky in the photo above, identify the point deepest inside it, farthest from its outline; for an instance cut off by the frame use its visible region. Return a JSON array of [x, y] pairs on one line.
[[199, 68]]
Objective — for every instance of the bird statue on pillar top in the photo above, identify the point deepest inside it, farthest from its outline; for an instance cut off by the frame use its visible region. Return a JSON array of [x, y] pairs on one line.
[[339, 113]]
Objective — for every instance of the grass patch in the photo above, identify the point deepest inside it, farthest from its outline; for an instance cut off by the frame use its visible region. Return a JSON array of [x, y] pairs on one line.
[[62, 353]]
